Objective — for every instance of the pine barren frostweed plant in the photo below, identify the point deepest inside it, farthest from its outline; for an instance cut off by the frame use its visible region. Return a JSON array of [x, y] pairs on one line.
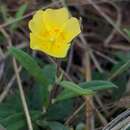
[[52, 31]]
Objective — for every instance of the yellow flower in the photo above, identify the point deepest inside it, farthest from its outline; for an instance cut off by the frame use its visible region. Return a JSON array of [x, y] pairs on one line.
[[52, 31]]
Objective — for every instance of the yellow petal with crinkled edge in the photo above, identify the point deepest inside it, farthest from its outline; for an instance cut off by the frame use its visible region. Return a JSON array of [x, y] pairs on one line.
[[36, 41], [55, 18], [71, 29], [36, 25], [57, 50]]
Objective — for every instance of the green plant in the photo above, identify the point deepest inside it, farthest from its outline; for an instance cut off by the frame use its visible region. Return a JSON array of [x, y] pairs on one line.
[[57, 108]]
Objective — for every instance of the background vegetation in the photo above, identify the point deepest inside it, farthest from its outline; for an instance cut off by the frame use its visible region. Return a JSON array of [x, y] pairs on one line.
[[98, 59]]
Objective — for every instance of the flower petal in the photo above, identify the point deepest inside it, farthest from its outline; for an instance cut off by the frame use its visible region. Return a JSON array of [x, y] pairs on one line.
[[56, 18], [36, 25], [71, 29], [37, 42], [57, 50]]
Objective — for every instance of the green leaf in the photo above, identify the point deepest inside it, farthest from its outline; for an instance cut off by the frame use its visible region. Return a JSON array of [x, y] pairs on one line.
[[21, 10], [37, 90], [5, 110], [52, 125], [33, 68], [75, 88], [56, 126], [97, 85], [17, 121], [14, 122], [80, 126], [89, 87], [29, 64], [71, 90], [64, 95], [11, 113], [50, 72], [19, 14], [37, 96], [60, 110]]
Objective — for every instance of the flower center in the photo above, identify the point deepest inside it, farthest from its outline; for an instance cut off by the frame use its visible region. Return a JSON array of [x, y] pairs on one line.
[[52, 40], [56, 34]]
